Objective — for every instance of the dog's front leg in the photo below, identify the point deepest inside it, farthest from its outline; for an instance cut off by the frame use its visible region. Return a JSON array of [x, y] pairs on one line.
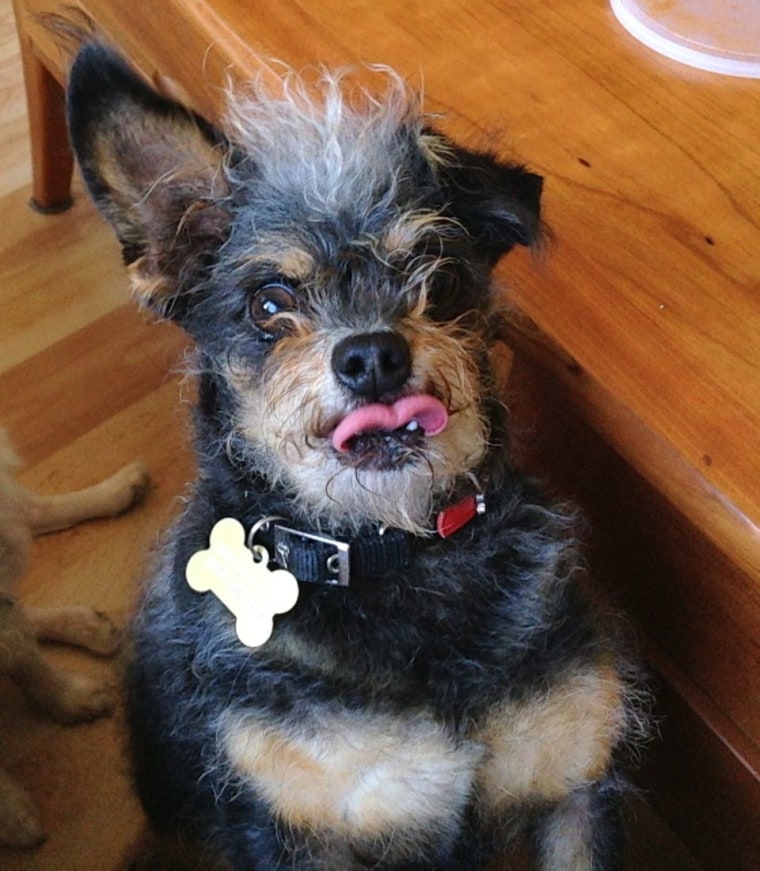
[[67, 697], [107, 498], [20, 824], [77, 625], [584, 832]]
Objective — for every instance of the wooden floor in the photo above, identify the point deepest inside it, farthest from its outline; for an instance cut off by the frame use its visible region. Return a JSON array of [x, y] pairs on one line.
[[86, 384]]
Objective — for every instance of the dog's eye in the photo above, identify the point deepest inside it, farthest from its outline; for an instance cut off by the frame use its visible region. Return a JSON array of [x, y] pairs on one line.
[[445, 293], [269, 303]]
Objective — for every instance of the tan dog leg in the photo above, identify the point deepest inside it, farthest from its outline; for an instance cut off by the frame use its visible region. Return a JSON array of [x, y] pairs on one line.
[[77, 625], [20, 824], [105, 499], [67, 697]]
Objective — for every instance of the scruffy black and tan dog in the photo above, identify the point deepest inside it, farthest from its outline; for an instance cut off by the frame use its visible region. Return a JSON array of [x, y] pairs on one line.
[[439, 682]]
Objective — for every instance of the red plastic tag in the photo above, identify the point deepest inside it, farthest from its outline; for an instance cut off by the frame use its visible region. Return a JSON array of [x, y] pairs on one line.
[[455, 517]]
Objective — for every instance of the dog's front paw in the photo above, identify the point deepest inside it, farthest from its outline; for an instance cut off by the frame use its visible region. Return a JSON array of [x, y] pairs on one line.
[[80, 698], [97, 633], [20, 823], [78, 625], [129, 485]]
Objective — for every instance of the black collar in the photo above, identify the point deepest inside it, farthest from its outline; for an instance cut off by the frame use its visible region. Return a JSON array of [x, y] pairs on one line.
[[323, 559], [314, 557]]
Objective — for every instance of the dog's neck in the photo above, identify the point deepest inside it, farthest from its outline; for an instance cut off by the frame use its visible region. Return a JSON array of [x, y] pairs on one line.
[[250, 496], [317, 557], [320, 552]]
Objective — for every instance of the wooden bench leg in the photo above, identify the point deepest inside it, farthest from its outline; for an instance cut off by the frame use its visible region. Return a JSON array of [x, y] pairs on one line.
[[52, 160]]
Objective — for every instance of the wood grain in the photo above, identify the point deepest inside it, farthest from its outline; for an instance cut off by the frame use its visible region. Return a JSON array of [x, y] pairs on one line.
[[652, 193], [646, 301]]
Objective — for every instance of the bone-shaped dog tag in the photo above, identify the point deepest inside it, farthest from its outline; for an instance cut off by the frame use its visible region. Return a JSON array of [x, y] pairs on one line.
[[246, 586]]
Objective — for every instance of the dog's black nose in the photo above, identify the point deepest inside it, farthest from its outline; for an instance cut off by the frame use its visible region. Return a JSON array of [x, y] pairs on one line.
[[372, 364]]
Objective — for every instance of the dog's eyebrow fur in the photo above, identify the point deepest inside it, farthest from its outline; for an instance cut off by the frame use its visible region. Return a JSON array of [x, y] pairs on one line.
[[328, 137], [409, 230], [282, 258]]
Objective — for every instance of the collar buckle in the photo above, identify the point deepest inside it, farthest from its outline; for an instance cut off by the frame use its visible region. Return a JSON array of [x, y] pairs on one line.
[[314, 557], [311, 556]]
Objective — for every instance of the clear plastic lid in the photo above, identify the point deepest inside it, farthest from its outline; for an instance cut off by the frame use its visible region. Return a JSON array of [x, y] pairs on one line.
[[721, 36]]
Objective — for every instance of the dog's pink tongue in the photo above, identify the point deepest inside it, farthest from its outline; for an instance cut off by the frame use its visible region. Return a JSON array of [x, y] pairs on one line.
[[427, 411]]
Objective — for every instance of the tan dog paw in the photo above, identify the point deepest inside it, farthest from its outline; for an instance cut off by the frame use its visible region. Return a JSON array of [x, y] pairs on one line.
[[78, 625], [79, 698], [98, 633], [130, 483], [20, 823]]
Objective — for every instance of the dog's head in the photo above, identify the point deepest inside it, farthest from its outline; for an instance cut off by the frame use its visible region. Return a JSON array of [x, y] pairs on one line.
[[330, 254]]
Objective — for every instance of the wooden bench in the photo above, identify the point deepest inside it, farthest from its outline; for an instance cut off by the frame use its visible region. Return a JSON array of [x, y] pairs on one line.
[[636, 373]]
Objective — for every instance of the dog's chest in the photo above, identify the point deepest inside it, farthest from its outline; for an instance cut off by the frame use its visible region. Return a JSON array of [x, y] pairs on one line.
[[354, 773], [362, 773]]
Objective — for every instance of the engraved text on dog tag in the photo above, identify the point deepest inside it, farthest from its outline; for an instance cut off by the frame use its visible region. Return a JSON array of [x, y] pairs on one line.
[[242, 582]]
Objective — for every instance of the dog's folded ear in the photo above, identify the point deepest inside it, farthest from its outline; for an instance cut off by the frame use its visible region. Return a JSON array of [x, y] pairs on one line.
[[153, 168], [498, 203]]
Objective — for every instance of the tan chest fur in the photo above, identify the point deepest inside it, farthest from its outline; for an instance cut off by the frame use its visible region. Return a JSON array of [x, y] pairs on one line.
[[365, 775], [544, 747], [359, 775]]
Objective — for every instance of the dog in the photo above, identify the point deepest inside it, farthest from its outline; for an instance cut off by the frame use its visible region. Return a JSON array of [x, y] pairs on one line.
[[65, 696], [367, 642]]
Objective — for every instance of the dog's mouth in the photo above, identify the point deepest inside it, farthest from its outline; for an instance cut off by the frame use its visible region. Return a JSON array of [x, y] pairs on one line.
[[383, 436]]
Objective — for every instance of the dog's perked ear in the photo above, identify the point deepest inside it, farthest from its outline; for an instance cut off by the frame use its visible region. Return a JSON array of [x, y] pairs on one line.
[[498, 203], [153, 168]]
